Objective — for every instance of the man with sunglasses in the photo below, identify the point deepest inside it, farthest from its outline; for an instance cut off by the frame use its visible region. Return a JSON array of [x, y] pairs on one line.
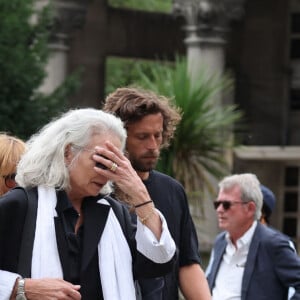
[[249, 260]]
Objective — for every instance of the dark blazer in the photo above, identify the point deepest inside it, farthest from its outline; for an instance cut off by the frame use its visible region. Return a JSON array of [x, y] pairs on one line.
[[272, 266], [17, 228]]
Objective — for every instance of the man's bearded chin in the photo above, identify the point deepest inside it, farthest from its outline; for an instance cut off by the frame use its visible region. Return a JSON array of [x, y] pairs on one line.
[[140, 166]]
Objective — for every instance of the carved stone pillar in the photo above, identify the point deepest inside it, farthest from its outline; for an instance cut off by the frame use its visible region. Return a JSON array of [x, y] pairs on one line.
[[207, 22], [69, 15]]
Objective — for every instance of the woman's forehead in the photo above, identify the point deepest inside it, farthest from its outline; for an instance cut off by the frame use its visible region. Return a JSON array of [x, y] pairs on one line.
[[100, 139]]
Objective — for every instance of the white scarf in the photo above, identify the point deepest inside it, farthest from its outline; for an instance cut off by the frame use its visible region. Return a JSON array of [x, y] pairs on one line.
[[115, 261]]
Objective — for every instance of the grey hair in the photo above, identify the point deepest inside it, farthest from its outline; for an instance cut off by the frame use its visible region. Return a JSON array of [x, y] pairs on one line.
[[44, 161], [250, 189]]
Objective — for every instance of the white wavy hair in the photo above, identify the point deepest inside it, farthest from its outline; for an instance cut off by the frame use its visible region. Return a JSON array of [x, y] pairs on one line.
[[44, 161], [249, 187]]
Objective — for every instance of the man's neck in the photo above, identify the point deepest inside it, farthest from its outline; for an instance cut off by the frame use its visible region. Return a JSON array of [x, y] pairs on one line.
[[143, 175], [234, 237]]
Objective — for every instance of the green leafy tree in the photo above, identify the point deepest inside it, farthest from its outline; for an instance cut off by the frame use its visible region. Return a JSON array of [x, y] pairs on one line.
[[124, 72], [149, 5], [24, 35]]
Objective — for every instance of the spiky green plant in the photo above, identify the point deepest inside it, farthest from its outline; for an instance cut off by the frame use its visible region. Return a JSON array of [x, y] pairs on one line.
[[196, 155]]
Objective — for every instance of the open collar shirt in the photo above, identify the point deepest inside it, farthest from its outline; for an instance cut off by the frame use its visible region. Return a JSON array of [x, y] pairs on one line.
[[229, 278]]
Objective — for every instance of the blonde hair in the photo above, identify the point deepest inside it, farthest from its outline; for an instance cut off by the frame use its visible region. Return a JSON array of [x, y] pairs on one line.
[[11, 150]]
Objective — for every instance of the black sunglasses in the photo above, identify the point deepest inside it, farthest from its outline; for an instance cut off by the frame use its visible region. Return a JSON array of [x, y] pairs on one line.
[[227, 204]]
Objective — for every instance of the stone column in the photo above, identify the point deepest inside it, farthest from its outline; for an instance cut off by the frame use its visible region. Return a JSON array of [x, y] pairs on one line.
[[207, 23], [69, 16]]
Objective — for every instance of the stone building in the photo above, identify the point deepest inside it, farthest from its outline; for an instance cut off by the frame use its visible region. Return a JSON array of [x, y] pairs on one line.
[[261, 48]]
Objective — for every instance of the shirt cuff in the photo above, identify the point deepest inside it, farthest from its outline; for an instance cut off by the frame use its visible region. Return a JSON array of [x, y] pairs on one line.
[[8, 281], [160, 251]]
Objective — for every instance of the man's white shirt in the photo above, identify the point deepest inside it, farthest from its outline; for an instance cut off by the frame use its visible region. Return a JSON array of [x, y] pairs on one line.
[[228, 282]]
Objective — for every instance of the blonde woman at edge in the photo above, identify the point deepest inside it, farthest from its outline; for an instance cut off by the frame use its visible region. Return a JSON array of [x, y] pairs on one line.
[[11, 150]]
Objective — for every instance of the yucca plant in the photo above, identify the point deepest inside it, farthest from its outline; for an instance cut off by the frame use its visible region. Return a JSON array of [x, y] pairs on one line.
[[196, 156]]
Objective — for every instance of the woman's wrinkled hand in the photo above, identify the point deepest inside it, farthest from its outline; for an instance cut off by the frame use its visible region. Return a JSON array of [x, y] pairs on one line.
[[51, 289], [119, 170]]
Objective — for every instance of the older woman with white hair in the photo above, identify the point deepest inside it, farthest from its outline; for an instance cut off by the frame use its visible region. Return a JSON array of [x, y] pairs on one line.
[[61, 235]]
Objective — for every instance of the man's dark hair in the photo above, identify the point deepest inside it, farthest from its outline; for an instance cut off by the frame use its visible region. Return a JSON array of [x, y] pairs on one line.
[[133, 104]]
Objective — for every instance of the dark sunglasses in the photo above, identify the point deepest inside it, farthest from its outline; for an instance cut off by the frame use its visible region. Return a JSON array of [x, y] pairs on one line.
[[227, 204], [10, 180]]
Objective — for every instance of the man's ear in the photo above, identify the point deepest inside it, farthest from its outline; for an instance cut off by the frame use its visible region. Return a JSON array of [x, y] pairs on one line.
[[252, 207]]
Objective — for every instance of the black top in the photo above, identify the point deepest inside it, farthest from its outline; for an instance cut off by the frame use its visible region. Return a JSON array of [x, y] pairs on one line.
[[68, 216], [17, 228], [170, 198]]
